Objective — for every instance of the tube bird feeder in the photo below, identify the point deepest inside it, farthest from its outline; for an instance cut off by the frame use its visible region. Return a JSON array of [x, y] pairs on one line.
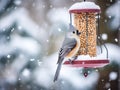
[[83, 18]]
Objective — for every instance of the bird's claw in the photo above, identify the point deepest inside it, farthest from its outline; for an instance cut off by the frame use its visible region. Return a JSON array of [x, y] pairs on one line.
[[75, 57], [70, 61]]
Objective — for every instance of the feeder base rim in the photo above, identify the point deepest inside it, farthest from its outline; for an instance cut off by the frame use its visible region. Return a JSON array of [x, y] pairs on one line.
[[87, 63]]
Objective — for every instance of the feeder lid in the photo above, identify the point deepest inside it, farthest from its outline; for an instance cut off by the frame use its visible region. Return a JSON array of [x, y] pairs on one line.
[[84, 7]]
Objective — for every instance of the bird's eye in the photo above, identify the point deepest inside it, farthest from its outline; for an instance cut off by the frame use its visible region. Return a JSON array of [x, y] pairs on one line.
[[73, 31]]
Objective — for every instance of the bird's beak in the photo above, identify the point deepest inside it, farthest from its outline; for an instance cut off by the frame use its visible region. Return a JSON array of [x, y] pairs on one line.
[[78, 33]]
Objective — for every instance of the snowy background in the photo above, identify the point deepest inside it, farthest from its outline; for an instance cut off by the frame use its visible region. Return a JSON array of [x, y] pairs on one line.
[[31, 33]]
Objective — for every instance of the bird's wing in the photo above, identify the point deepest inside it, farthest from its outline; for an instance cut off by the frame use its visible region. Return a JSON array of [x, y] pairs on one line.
[[68, 45]]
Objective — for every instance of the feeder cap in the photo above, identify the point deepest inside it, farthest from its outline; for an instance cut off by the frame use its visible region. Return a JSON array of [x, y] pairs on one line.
[[84, 7]]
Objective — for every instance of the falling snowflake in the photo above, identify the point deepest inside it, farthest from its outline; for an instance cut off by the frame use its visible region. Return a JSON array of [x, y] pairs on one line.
[[113, 76], [26, 72], [32, 59], [116, 40], [104, 36], [8, 56]]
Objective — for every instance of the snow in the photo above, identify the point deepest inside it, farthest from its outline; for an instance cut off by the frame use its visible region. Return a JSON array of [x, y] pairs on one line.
[[87, 57], [51, 6], [104, 36], [113, 54], [20, 27], [107, 85], [105, 20], [42, 74], [8, 56], [25, 44], [54, 15], [43, 78], [39, 63], [6, 50], [84, 5], [12, 29], [47, 41], [19, 79], [11, 71], [48, 66], [26, 72], [113, 76], [10, 75], [21, 51], [59, 29], [109, 16], [19, 63], [111, 0], [8, 21], [3, 4], [25, 24], [17, 2], [32, 59], [116, 40], [78, 80], [114, 11]]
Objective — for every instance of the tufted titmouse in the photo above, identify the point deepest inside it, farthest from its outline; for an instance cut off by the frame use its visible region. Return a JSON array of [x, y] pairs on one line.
[[69, 49]]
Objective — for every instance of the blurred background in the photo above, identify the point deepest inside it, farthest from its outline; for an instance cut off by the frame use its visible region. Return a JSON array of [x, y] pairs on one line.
[[31, 33]]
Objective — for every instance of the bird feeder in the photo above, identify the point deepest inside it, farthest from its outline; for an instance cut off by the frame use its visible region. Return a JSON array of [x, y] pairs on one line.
[[83, 18]]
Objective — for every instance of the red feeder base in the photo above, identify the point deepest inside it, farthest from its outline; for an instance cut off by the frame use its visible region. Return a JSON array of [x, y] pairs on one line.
[[88, 63]]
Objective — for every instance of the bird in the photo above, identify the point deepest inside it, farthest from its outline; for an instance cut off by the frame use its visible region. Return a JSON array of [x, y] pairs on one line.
[[69, 49]]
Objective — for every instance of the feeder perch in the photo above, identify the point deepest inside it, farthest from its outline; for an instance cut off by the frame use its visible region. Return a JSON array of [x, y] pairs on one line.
[[83, 18]]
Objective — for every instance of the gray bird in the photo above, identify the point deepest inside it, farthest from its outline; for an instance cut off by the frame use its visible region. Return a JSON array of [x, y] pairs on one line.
[[69, 49]]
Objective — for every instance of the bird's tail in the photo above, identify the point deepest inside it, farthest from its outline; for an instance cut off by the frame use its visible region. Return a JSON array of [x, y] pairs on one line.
[[57, 72]]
